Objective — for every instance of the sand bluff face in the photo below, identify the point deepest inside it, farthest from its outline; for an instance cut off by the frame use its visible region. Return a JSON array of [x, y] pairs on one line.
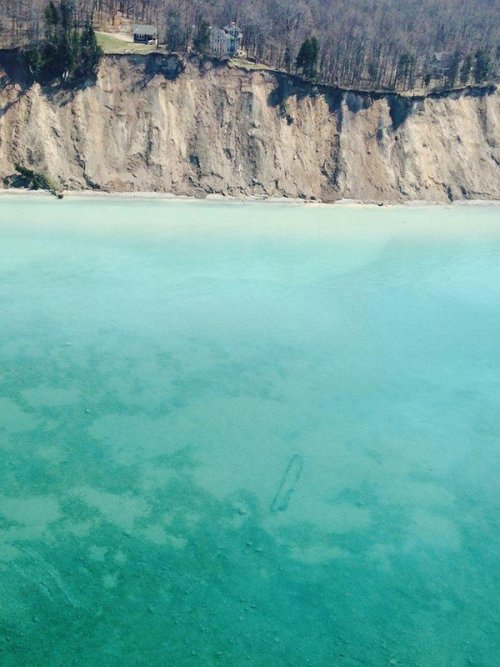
[[218, 129]]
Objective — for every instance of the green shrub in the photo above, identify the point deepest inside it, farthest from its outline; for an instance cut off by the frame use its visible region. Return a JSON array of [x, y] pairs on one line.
[[36, 181]]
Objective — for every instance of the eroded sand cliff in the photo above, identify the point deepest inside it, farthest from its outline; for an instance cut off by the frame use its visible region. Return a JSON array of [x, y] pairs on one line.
[[145, 126]]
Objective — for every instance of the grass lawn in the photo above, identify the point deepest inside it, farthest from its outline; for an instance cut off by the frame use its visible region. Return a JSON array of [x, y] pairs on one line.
[[248, 65], [110, 44]]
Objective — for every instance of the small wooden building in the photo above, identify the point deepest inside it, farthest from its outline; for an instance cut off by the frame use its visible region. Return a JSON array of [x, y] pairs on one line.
[[145, 34]]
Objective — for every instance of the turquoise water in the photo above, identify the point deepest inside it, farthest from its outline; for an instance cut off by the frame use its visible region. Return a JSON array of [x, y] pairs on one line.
[[248, 434]]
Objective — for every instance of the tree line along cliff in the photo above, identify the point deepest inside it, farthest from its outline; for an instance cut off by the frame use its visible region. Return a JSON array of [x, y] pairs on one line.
[[362, 43]]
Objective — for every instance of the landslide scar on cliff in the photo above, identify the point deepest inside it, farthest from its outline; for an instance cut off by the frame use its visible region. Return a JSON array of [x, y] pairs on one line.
[[169, 66], [399, 110]]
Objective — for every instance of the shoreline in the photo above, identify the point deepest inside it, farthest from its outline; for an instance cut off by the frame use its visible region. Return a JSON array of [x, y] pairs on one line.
[[227, 199]]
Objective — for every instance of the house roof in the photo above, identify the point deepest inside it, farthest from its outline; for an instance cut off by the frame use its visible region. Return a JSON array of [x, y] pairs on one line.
[[232, 27], [140, 29]]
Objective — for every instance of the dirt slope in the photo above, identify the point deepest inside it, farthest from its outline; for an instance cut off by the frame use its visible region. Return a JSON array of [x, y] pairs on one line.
[[146, 126]]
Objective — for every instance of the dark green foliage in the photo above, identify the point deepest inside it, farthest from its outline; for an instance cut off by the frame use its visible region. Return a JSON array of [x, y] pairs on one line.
[[36, 181], [307, 58], [66, 11], [482, 66], [201, 42], [304, 54], [89, 55], [453, 70], [51, 17], [66, 53], [35, 61], [314, 53], [478, 67]]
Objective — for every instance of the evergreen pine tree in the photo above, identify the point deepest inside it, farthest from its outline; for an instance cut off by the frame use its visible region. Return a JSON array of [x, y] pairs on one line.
[[482, 66], [304, 55], [307, 58], [90, 53], [51, 16], [453, 70], [313, 58], [66, 53], [201, 42]]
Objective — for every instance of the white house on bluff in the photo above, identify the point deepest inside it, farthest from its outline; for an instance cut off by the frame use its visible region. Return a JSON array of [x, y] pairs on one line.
[[225, 42]]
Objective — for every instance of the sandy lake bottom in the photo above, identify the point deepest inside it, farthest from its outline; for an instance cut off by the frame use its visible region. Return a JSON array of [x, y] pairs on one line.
[[248, 434]]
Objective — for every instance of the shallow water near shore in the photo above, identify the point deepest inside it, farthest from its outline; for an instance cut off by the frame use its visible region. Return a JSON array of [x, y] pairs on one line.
[[248, 434]]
